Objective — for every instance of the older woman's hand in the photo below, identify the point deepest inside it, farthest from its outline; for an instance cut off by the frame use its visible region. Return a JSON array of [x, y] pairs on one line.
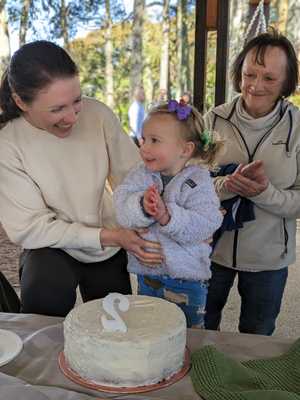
[[147, 252], [255, 171], [248, 180]]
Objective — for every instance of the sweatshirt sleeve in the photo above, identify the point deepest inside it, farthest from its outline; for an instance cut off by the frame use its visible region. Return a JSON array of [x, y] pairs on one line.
[[282, 202], [199, 217], [127, 200], [25, 216], [122, 152], [219, 181]]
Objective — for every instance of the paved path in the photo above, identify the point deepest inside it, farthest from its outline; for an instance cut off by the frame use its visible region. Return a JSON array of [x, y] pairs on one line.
[[288, 322]]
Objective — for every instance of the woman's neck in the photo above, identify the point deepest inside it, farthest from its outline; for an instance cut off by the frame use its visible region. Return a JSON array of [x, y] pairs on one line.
[[258, 113]]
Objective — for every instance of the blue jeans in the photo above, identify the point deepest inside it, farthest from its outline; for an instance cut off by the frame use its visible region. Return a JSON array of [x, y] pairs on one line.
[[261, 294], [190, 296]]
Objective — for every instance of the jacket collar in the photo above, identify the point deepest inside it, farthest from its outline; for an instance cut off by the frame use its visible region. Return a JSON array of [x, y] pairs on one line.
[[226, 110]]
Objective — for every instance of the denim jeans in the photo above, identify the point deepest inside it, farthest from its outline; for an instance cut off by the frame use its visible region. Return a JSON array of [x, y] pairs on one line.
[[261, 294], [190, 296]]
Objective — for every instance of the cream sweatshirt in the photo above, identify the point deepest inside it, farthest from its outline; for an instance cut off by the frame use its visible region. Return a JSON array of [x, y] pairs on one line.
[[54, 192]]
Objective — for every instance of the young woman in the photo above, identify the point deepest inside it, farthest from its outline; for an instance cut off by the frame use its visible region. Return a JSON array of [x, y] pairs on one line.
[[58, 150]]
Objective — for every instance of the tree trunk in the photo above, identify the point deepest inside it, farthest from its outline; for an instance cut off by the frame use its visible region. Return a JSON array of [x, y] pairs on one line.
[[109, 80], [164, 57], [64, 14], [24, 21], [136, 76], [283, 8], [238, 28], [293, 25], [4, 39], [183, 66]]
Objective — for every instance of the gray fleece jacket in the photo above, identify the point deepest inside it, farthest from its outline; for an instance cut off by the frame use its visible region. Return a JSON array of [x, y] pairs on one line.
[[268, 242], [194, 209]]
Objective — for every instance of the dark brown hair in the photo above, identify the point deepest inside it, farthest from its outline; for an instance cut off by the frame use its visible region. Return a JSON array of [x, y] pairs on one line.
[[271, 38], [33, 67]]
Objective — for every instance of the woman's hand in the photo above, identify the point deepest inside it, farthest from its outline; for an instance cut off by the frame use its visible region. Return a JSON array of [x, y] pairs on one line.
[[155, 206], [248, 180], [131, 241], [255, 171]]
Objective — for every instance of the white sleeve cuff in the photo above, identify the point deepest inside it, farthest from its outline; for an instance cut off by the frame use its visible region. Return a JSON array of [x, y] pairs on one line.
[[91, 238], [265, 196]]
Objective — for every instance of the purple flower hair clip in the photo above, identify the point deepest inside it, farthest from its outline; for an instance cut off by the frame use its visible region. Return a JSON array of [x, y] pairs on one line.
[[181, 109]]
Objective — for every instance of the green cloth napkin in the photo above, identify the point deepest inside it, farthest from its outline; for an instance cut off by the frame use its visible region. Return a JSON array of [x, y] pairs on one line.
[[216, 376]]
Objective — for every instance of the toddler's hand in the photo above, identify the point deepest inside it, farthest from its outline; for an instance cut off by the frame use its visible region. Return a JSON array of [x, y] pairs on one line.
[[155, 206], [150, 201]]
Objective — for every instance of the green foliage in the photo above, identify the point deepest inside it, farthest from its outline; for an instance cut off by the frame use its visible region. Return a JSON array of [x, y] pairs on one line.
[[152, 48], [89, 55], [295, 99], [211, 71], [89, 52]]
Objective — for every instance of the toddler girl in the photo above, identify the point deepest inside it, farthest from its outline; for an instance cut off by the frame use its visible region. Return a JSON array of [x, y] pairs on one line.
[[177, 203]]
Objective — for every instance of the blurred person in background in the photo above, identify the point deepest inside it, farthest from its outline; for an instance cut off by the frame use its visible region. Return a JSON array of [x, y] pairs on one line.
[[136, 115]]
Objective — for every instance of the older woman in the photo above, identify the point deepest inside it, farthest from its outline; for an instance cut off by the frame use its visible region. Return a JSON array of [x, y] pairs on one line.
[[262, 133], [58, 150]]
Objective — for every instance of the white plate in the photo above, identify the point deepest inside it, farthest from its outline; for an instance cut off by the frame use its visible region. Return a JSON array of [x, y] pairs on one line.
[[10, 346]]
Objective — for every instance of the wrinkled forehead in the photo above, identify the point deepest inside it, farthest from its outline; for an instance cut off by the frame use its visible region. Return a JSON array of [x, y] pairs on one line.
[[269, 57]]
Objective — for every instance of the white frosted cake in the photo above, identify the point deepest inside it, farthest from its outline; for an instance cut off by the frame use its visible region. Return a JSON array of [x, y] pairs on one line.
[[150, 351]]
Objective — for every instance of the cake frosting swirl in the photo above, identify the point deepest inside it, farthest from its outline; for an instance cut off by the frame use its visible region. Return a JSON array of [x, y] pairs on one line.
[[150, 351]]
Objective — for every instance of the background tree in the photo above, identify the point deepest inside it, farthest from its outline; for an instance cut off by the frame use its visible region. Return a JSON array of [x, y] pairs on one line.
[[136, 73], [293, 23], [183, 56], [282, 7], [164, 58], [21, 14], [109, 79], [4, 38], [24, 21], [152, 57], [66, 17], [124, 50]]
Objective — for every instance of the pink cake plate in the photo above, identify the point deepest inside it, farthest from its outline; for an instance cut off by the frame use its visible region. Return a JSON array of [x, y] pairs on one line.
[[69, 373]]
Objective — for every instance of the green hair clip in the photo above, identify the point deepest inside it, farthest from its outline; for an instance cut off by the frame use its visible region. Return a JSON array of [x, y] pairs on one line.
[[206, 140]]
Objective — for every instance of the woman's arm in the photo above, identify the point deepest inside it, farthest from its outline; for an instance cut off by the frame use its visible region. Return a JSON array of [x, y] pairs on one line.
[[122, 153], [219, 181], [131, 241], [26, 217], [221, 189], [30, 223]]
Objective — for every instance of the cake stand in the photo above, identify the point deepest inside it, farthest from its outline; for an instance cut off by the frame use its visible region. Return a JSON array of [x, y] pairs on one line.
[[69, 373]]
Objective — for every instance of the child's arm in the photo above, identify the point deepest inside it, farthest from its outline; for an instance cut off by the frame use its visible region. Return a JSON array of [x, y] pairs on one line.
[[199, 216], [127, 200]]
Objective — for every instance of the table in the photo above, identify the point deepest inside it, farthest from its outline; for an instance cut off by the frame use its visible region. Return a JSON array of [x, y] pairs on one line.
[[35, 375]]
